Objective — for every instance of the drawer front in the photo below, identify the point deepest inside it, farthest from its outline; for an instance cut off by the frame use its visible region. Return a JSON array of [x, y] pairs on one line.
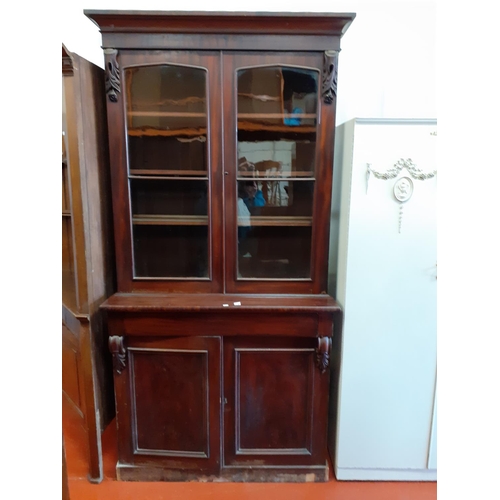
[[220, 323]]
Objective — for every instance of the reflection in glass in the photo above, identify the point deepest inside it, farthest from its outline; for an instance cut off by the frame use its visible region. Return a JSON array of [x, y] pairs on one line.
[[166, 119], [170, 227], [274, 240], [167, 158], [277, 119]]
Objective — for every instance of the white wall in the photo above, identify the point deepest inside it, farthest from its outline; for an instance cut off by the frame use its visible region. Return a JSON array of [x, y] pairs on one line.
[[387, 64]]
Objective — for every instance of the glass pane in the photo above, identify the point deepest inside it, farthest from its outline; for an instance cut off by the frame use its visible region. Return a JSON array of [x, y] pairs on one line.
[[168, 170], [166, 120], [170, 227], [277, 120]]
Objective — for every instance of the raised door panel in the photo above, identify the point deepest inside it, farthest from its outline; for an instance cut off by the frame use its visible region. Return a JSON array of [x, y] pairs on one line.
[[174, 403], [166, 170], [274, 412]]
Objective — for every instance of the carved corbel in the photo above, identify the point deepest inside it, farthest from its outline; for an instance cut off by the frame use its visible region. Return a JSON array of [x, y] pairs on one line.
[[323, 353], [112, 74], [330, 71], [118, 352]]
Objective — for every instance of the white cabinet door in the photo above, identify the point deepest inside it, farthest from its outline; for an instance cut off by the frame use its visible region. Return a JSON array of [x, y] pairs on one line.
[[386, 276]]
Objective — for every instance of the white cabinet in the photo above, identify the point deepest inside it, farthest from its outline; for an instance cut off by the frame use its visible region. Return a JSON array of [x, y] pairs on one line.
[[384, 274]]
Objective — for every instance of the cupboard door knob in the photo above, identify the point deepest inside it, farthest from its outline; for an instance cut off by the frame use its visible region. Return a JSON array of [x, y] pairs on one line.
[[226, 173]]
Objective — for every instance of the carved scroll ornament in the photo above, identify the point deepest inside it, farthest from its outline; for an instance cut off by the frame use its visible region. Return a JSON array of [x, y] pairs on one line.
[[112, 75], [323, 353], [118, 352], [330, 71]]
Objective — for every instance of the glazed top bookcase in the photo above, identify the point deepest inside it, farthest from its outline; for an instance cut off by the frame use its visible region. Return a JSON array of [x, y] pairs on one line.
[[202, 115]]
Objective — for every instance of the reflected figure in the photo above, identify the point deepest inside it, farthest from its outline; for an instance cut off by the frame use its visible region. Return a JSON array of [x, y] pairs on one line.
[[252, 196], [250, 199]]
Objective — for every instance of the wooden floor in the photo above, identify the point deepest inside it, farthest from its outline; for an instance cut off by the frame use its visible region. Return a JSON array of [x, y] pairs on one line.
[[110, 489]]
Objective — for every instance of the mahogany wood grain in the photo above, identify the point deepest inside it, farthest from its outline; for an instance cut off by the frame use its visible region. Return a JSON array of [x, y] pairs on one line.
[[275, 401], [216, 323], [164, 382], [297, 23], [335, 361], [150, 302], [217, 314], [263, 42], [168, 398]]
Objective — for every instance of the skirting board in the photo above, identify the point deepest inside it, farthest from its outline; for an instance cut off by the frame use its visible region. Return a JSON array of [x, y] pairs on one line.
[[264, 474], [352, 474]]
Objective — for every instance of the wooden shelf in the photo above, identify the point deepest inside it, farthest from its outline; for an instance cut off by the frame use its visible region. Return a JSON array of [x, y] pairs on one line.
[[284, 176], [160, 132], [184, 173], [202, 131], [137, 103], [259, 116], [260, 127], [261, 221], [176, 114], [261, 97], [170, 220]]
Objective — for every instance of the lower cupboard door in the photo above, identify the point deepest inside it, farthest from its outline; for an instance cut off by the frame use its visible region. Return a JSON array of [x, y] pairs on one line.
[[275, 403], [168, 402]]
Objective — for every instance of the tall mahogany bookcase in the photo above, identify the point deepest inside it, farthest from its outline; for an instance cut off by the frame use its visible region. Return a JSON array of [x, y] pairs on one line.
[[221, 134]]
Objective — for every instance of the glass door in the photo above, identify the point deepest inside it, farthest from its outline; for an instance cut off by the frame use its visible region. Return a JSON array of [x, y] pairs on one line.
[[168, 170], [277, 168], [169, 125]]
